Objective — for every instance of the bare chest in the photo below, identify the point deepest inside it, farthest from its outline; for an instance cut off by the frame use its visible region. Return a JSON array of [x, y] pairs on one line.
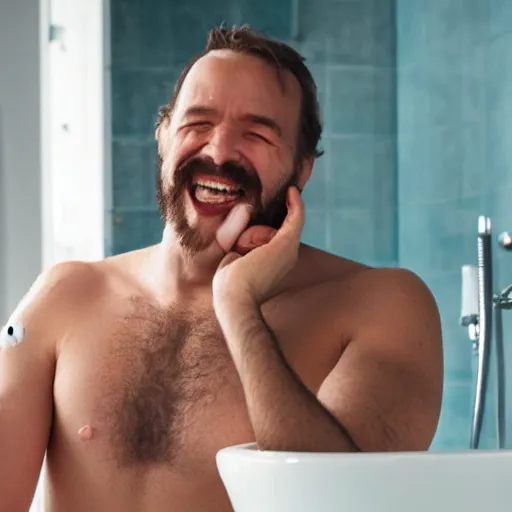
[[158, 389]]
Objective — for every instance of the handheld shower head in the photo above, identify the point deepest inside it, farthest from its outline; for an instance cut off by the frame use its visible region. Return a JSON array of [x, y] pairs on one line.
[[505, 241]]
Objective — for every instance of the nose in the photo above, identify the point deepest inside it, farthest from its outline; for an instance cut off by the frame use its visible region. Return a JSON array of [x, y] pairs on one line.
[[222, 146]]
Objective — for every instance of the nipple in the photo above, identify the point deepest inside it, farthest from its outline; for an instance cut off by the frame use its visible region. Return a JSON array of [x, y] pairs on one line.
[[85, 433]]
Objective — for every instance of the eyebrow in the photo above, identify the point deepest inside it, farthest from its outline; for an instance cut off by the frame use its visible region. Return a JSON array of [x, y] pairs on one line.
[[199, 110], [263, 121]]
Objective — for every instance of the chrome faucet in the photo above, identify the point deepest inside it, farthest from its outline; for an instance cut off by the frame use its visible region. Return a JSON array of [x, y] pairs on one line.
[[485, 314], [479, 320]]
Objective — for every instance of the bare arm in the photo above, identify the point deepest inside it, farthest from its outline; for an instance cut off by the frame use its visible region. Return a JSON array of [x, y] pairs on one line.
[[384, 393], [387, 387], [26, 382]]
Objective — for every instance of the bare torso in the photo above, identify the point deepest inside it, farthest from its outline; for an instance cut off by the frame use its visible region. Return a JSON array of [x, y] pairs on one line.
[[145, 395]]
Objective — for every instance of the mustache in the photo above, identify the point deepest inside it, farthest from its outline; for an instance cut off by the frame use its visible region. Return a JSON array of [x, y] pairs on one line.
[[244, 177]]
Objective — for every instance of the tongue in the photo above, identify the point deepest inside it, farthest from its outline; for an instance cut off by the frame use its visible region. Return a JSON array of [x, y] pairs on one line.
[[205, 195]]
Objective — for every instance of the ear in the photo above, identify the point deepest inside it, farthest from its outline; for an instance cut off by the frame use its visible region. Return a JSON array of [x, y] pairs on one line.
[[305, 172], [161, 136]]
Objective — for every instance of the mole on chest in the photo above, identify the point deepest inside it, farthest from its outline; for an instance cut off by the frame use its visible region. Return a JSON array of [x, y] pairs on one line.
[[171, 374]]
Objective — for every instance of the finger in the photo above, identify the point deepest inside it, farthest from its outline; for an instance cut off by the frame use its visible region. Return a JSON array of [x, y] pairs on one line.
[[294, 221], [254, 237], [233, 226]]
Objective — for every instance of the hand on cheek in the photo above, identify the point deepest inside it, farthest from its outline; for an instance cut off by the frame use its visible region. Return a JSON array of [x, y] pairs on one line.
[[257, 258]]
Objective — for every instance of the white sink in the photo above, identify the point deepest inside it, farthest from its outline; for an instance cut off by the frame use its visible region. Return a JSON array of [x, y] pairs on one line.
[[464, 481]]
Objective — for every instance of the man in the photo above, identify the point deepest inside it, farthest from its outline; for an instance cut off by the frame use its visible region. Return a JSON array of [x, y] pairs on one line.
[[133, 372]]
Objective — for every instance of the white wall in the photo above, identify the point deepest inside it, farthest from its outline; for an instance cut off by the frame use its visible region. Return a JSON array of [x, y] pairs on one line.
[[54, 141], [54, 138], [20, 150], [77, 137]]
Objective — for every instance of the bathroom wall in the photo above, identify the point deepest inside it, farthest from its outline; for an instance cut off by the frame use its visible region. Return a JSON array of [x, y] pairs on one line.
[[454, 115], [20, 151], [350, 47], [448, 102]]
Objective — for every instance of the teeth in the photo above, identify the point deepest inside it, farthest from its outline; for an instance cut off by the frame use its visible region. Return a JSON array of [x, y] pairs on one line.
[[206, 195], [215, 185]]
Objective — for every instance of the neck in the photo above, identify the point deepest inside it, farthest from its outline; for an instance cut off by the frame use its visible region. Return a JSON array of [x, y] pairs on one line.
[[184, 272]]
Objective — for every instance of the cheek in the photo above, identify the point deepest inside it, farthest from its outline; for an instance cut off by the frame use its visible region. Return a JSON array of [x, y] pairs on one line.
[[274, 167], [178, 150], [274, 184], [183, 146]]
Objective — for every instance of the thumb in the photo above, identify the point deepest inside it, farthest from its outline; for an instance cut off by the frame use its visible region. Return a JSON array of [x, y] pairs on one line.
[[229, 258], [233, 226]]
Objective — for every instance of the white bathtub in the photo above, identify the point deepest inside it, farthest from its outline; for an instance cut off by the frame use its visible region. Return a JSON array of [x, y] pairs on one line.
[[465, 481]]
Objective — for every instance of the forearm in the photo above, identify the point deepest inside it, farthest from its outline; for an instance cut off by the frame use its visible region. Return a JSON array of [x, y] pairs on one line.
[[284, 413]]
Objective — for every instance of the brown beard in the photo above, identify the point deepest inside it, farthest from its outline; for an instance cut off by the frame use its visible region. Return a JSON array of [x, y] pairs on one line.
[[171, 202]]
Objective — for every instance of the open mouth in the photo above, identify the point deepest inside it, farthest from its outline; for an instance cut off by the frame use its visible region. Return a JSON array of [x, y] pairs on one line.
[[215, 191]]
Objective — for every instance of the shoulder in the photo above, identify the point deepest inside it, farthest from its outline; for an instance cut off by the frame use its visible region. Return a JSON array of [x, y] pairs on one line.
[[73, 284], [79, 281], [393, 308], [386, 288], [383, 295], [57, 289], [45, 311], [59, 286], [373, 286], [65, 281]]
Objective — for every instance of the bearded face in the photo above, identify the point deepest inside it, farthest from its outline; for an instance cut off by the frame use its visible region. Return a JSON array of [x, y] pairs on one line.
[[202, 194], [227, 141]]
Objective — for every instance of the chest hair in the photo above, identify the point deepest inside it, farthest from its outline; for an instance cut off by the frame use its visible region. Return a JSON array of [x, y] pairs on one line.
[[171, 366]]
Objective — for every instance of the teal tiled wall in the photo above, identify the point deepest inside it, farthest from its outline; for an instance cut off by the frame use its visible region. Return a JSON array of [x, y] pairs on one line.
[[450, 100], [454, 69], [350, 47]]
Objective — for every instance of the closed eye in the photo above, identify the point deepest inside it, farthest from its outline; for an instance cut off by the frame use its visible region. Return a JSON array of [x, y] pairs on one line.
[[200, 125], [259, 136]]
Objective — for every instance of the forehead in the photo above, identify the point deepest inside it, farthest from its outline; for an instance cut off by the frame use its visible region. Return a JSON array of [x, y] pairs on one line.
[[239, 83]]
